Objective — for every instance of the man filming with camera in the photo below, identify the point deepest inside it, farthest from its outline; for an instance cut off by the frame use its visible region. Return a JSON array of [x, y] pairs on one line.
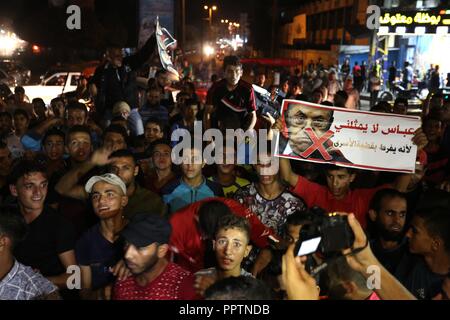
[[301, 285]]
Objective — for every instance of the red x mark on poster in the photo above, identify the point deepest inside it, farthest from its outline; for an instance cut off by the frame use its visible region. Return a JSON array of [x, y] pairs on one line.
[[317, 144]]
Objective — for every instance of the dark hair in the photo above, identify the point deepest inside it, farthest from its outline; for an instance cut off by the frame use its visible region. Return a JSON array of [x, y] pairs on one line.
[[12, 225], [19, 89], [209, 214], [25, 167], [116, 128], [3, 144], [332, 167], [53, 132], [382, 106], [298, 218], [78, 128], [57, 99], [156, 143], [181, 93], [123, 153], [302, 97], [437, 223], [22, 112], [231, 61], [153, 88], [239, 288], [156, 121], [340, 271], [380, 195], [231, 221], [327, 103], [38, 101], [75, 105], [118, 118], [342, 94]]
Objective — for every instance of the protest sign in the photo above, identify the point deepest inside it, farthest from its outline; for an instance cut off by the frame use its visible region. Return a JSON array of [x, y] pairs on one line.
[[349, 138]]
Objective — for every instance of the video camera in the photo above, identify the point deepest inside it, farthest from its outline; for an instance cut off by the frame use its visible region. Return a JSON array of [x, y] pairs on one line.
[[327, 233], [264, 102], [324, 233]]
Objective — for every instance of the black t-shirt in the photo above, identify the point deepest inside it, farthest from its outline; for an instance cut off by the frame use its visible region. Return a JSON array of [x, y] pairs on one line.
[[48, 236], [390, 259], [78, 212], [415, 275], [232, 104], [93, 250]]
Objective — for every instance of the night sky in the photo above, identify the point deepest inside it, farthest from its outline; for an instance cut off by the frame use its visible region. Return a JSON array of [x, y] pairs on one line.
[[259, 14]]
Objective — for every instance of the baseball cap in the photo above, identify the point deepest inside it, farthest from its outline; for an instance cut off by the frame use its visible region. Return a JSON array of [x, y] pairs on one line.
[[145, 229], [110, 178]]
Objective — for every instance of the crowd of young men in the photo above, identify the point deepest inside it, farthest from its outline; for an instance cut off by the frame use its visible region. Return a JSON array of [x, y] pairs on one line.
[[97, 189]]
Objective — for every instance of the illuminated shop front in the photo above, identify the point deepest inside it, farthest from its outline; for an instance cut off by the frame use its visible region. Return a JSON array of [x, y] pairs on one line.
[[422, 37]]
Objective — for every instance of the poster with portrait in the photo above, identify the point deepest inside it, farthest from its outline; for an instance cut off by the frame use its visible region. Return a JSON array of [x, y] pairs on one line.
[[348, 138]]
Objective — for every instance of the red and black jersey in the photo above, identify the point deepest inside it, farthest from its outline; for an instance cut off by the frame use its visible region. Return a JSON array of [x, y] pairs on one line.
[[237, 103]]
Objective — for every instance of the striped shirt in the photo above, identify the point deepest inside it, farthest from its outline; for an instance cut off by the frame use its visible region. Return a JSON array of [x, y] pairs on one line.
[[159, 113], [22, 283]]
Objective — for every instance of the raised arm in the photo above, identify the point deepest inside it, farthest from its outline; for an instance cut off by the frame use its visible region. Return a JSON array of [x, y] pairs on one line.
[[45, 125], [68, 185], [365, 262], [137, 60], [286, 172], [402, 181]]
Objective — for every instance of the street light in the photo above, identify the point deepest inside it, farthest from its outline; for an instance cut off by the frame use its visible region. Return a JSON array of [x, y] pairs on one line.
[[210, 10]]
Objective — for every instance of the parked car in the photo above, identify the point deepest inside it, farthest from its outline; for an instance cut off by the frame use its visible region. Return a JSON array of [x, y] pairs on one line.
[[54, 85]]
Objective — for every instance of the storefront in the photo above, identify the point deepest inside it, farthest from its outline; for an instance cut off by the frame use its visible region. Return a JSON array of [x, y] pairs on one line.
[[422, 38]]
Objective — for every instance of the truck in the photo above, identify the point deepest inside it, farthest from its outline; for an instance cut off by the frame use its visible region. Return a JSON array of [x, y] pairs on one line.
[[53, 86]]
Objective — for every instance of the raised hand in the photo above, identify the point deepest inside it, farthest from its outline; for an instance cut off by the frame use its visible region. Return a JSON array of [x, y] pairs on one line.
[[101, 157], [299, 284]]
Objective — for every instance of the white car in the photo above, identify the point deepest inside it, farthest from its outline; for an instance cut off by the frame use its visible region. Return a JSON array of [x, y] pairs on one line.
[[52, 86]]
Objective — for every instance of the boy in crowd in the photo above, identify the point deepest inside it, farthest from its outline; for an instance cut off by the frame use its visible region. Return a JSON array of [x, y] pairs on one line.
[[231, 245]]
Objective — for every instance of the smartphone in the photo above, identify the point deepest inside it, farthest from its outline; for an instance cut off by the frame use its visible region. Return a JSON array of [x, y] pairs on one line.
[[309, 246]]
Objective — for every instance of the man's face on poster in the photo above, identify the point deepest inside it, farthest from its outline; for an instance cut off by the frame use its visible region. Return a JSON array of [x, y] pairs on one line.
[[298, 118]]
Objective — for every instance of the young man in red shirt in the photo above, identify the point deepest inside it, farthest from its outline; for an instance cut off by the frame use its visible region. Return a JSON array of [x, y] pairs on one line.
[[153, 276], [193, 225], [337, 195]]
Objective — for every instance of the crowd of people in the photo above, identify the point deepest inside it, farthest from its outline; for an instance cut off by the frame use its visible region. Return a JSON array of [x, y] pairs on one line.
[[96, 188]]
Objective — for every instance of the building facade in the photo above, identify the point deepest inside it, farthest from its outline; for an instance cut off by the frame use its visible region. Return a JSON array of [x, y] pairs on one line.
[[335, 30]]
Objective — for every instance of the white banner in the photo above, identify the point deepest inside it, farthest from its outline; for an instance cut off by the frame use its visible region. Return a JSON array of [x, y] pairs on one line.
[[349, 138]]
